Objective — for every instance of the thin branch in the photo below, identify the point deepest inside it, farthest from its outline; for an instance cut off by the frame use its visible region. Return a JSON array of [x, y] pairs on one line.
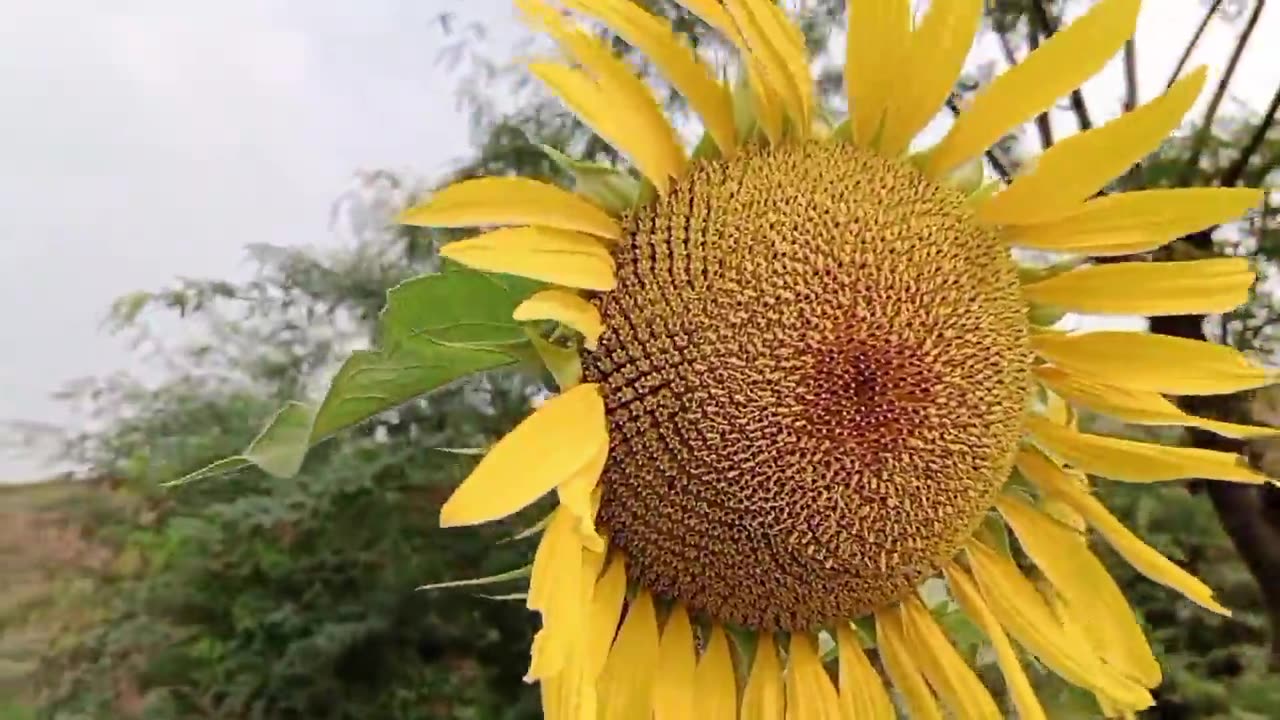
[[1235, 173], [1130, 75], [1077, 97], [1043, 124], [1206, 126], [1001, 169], [1195, 40]]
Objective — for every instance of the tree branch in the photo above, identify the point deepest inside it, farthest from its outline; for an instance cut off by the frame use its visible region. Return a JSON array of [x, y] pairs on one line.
[[1191, 45], [1130, 75], [1235, 173], [1077, 97], [1206, 126], [1001, 169]]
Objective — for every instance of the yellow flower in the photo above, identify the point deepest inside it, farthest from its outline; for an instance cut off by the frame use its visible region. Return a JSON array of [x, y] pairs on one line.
[[807, 369]]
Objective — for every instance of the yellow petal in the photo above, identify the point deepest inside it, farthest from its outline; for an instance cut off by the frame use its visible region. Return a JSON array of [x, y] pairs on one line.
[[673, 689], [567, 308], [936, 54], [545, 449], [810, 694], [1021, 610], [1061, 64], [677, 62], [1132, 461], [602, 620], [1140, 407], [761, 40], [555, 256], [763, 699], [1077, 167], [1134, 222], [897, 653], [862, 694], [555, 591], [1157, 363], [1142, 288], [1086, 587], [626, 686], [511, 201], [765, 103], [580, 498], [1055, 482], [716, 689], [648, 147], [1015, 678], [878, 38], [947, 672], [795, 53]]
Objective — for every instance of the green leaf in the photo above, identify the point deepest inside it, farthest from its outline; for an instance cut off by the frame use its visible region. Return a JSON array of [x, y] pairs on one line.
[[606, 186], [435, 329]]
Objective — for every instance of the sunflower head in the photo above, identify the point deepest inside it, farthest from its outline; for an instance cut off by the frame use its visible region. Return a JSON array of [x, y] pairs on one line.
[[798, 369]]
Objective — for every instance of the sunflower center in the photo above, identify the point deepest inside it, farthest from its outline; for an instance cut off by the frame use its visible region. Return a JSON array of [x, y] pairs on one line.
[[814, 373]]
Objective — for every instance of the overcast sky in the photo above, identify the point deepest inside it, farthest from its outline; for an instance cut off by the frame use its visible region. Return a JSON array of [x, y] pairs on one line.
[[146, 139]]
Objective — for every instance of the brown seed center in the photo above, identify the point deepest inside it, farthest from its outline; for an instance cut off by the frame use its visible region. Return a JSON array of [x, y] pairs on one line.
[[814, 372]]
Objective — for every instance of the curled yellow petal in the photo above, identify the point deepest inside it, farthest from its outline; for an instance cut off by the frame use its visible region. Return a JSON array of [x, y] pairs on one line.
[[763, 697], [948, 673], [555, 256], [511, 201], [1134, 222], [933, 61], [1076, 168], [810, 694], [1061, 64], [862, 693], [678, 62], [1015, 678], [1021, 610], [648, 147], [673, 690], [565, 307], [626, 685], [1055, 482], [580, 498], [1157, 363], [715, 685], [555, 591], [544, 450], [897, 653], [1132, 461], [1140, 407], [1142, 288], [1086, 587], [878, 39]]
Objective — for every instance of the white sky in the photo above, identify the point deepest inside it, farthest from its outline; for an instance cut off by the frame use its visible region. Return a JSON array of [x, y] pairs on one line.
[[142, 140]]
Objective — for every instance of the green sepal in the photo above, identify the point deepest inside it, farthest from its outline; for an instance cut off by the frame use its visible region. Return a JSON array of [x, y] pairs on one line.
[[983, 192], [994, 534], [968, 178], [612, 189], [842, 132], [1034, 273], [434, 329], [744, 109], [516, 574], [564, 364], [1044, 315], [706, 149]]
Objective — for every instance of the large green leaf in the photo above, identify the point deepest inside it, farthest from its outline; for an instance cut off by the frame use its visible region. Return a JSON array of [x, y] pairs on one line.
[[435, 329]]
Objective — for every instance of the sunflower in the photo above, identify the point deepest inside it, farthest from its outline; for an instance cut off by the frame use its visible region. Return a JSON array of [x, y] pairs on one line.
[[806, 390]]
